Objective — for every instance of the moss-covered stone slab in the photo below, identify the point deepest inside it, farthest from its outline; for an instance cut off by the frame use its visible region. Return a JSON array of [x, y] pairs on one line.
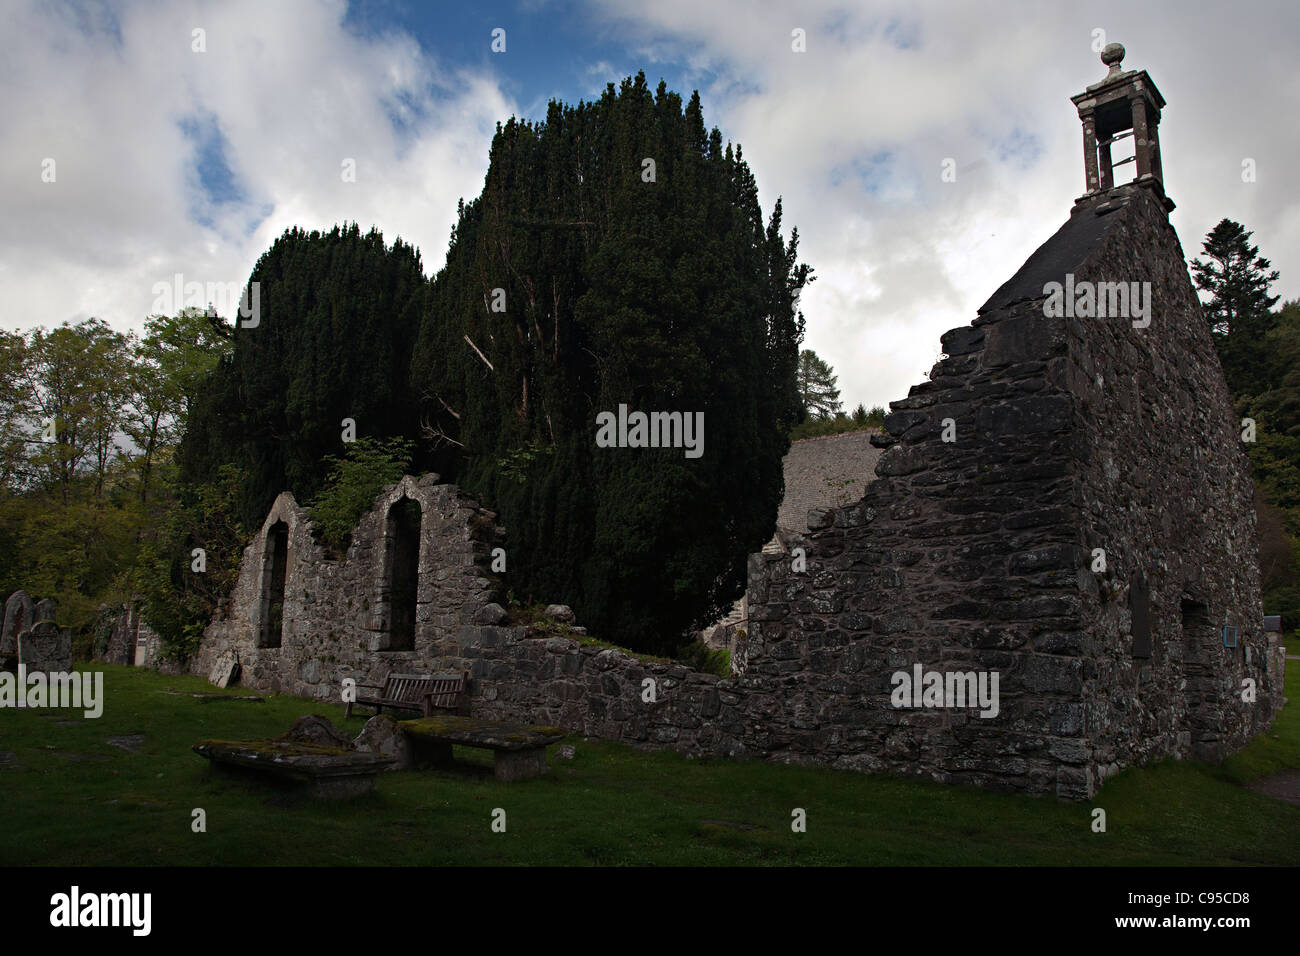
[[473, 732], [519, 751], [328, 773]]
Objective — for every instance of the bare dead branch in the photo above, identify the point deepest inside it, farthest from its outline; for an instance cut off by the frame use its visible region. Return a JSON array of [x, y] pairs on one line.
[[435, 433], [480, 354], [454, 414]]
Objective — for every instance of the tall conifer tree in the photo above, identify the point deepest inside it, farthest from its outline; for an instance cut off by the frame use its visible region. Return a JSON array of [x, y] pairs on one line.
[[618, 255], [339, 315]]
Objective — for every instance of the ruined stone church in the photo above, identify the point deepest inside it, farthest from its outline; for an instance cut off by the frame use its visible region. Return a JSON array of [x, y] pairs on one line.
[[1062, 515]]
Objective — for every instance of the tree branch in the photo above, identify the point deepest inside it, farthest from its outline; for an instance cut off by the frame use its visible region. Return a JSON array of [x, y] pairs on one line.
[[480, 354]]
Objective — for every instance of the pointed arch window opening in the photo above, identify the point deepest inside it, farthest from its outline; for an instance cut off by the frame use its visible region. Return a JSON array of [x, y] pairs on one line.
[[401, 573], [275, 567]]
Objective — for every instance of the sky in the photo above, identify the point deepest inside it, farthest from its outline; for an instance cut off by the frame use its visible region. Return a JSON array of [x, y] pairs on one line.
[[144, 140]]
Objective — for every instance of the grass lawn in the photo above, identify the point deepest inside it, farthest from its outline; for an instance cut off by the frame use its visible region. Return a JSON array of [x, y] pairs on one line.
[[70, 798]]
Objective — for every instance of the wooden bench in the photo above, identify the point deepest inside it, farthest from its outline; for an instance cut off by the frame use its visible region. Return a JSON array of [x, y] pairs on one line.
[[519, 752], [421, 693]]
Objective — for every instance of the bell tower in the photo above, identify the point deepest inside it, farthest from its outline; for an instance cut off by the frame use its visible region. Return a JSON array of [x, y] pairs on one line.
[[1124, 103]]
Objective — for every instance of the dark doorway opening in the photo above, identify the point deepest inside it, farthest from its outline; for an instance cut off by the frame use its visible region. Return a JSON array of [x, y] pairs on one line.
[[403, 545], [275, 564]]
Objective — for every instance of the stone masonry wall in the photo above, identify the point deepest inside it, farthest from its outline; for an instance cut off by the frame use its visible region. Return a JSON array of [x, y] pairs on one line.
[[123, 637], [1164, 484], [950, 561], [1036, 441], [1071, 434], [598, 692], [335, 610]]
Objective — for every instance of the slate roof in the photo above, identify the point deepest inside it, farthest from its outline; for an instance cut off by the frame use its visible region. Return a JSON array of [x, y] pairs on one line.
[[847, 458], [1082, 234]]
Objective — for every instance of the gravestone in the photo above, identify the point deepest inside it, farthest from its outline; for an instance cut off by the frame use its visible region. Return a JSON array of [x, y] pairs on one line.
[[19, 615], [381, 735], [317, 730], [46, 648], [224, 671]]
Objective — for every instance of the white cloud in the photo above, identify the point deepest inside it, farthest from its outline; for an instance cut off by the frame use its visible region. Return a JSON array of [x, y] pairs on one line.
[[884, 94], [293, 94], [910, 84]]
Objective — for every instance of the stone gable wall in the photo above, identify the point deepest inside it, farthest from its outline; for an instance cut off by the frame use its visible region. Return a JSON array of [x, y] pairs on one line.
[[1164, 483], [951, 560], [334, 612], [1072, 434]]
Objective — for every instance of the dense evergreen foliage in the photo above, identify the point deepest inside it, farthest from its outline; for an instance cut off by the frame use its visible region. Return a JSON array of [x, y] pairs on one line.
[[818, 393], [657, 286], [1237, 278], [1260, 353], [339, 315]]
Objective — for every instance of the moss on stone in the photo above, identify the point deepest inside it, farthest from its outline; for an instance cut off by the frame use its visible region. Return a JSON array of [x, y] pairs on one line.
[[283, 747]]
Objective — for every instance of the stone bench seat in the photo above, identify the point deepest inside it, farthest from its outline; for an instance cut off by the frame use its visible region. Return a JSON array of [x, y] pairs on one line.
[[327, 773], [519, 751]]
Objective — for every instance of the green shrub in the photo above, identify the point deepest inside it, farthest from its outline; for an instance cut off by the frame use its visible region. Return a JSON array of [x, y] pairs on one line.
[[821, 427], [699, 656], [354, 481], [178, 601]]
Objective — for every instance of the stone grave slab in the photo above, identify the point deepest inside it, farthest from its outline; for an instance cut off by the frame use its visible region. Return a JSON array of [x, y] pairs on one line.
[[323, 773], [519, 751]]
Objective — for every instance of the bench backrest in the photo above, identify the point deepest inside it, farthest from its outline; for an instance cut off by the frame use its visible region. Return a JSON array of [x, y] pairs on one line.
[[406, 687], [448, 691], [433, 692]]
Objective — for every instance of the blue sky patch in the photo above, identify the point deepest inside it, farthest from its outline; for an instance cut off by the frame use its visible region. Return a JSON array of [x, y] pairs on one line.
[[212, 181]]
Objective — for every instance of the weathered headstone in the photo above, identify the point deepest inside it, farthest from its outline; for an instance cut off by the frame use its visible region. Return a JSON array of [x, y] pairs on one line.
[[113, 637], [382, 736], [148, 646], [316, 729], [224, 671], [19, 615], [46, 648], [47, 609]]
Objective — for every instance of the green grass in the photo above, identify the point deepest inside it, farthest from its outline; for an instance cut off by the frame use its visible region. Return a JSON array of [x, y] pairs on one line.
[[611, 804]]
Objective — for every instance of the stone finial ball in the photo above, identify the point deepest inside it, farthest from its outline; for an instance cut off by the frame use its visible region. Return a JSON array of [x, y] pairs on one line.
[[1112, 54]]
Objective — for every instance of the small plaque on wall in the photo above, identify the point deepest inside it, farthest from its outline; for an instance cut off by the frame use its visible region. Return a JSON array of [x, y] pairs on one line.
[[1229, 636]]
